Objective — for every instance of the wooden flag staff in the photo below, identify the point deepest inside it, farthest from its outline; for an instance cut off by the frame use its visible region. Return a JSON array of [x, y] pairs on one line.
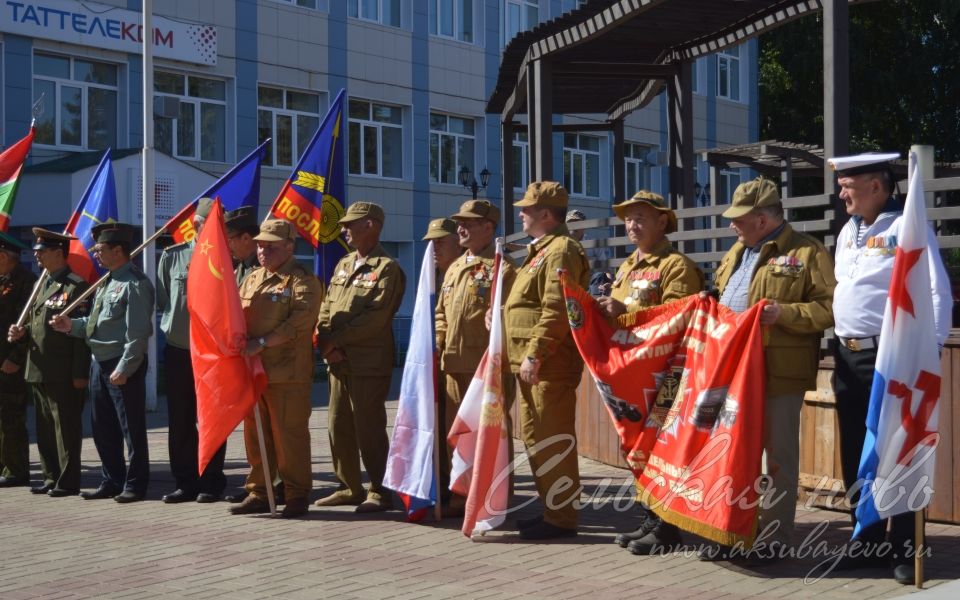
[[96, 285]]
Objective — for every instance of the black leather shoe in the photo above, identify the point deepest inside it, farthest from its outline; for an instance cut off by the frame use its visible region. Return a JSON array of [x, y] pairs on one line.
[[236, 498], [528, 523], [178, 496], [623, 539], [546, 531], [101, 493], [61, 493], [13, 481], [903, 573], [41, 489], [205, 498], [663, 537], [127, 496]]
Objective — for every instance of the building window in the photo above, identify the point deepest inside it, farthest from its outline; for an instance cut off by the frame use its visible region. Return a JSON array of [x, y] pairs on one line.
[[381, 11], [198, 130], [728, 74], [451, 147], [519, 15], [581, 164], [303, 3], [729, 180], [452, 19], [80, 100], [568, 5], [521, 155], [637, 168], [376, 139], [290, 118]]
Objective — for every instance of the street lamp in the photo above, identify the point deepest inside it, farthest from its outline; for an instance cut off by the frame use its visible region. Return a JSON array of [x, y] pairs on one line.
[[468, 181]]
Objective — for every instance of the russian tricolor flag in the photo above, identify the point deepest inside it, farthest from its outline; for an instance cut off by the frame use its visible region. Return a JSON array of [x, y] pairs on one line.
[[897, 464], [410, 462]]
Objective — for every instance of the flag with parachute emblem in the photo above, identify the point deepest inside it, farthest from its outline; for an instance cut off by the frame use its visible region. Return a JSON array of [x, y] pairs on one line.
[[240, 186], [314, 196], [97, 205]]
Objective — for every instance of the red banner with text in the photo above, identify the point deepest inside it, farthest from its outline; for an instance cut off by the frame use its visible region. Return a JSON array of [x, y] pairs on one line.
[[684, 386]]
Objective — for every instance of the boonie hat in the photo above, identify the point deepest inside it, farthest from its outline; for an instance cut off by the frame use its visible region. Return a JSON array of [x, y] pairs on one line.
[[650, 199]]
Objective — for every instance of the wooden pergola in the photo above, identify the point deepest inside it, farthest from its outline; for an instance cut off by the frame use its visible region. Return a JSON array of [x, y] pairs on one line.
[[613, 57]]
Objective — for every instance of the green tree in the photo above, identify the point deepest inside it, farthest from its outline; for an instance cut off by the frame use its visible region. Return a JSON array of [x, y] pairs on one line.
[[904, 78]]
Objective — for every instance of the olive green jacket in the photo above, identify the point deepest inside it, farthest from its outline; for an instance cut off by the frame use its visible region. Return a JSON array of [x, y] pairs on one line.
[[663, 275], [55, 357], [462, 305], [357, 314], [535, 313], [795, 270]]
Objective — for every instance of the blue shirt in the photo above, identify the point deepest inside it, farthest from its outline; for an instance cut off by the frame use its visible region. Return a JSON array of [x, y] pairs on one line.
[[736, 296]]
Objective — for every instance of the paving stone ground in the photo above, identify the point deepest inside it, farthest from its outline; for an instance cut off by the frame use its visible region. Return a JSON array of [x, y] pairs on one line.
[[72, 548]]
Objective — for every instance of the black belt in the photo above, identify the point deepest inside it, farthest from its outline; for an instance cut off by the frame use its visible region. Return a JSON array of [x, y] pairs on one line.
[[858, 344]]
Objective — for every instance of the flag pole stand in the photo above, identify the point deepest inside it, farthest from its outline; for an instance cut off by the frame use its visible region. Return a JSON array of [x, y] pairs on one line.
[[264, 461], [919, 522]]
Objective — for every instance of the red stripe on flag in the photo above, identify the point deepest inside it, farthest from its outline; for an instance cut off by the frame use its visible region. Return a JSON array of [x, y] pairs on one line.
[[304, 214]]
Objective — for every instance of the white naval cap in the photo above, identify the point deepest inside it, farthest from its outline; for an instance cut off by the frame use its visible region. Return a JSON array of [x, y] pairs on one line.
[[870, 162]]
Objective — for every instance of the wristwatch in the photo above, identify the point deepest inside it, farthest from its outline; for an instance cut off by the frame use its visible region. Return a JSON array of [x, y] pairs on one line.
[[262, 341], [533, 360]]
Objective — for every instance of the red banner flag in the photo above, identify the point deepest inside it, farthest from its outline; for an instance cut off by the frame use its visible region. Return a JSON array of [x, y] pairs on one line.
[[228, 383], [684, 385]]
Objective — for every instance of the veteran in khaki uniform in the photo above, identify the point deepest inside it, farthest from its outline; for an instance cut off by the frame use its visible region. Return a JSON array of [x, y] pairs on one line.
[[794, 273], [653, 274], [16, 284], [356, 340], [461, 331], [117, 330], [280, 302], [545, 359], [446, 244], [57, 368]]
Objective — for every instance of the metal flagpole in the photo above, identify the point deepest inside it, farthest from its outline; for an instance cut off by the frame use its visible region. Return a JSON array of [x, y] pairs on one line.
[[149, 206], [36, 111], [264, 461]]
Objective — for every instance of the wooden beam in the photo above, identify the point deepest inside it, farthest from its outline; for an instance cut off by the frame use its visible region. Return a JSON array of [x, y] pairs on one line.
[[507, 175], [616, 69], [836, 86], [578, 127], [540, 105]]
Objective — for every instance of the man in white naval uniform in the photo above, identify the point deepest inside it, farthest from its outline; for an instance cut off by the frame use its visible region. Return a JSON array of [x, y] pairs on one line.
[[864, 264]]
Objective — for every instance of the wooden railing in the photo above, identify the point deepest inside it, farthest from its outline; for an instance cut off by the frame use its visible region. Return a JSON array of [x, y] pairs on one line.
[[705, 238]]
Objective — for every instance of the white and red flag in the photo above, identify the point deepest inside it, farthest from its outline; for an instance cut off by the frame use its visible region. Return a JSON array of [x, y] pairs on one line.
[[898, 458], [479, 433]]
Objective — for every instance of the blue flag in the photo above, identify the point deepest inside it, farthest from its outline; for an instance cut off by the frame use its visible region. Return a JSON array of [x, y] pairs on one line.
[[314, 196], [98, 205], [240, 186]]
